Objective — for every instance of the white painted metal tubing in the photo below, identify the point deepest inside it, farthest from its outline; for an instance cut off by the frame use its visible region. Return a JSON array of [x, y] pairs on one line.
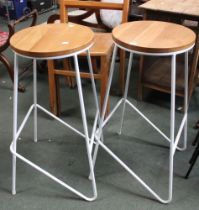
[[93, 81], [112, 112], [61, 121], [81, 99], [50, 175], [36, 166], [34, 107], [184, 120], [35, 97], [95, 98], [91, 142], [186, 72], [126, 90], [48, 113], [24, 121], [15, 103], [105, 103], [172, 140], [97, 107], [172, 124], [132, 173], [109, 82], [84, 120], [182, 125], [173, 72], [97, 134], [149, 121]]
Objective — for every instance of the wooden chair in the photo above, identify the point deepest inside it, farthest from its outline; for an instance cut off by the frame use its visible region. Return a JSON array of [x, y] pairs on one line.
[[135, 12], [101, 49], [5, 42]]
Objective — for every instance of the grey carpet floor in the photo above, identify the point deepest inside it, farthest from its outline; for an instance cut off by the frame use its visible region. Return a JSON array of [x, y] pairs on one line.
[[62, 153]]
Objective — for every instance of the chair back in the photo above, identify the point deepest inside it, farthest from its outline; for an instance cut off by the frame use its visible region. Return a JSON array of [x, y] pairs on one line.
[[90, 8], [11, 27], [33, 15]]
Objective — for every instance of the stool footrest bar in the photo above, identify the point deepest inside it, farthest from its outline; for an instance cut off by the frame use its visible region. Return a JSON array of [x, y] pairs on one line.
[[149, 121], [179, 134], [24, 121], [132, 173], [60, 120], [38, 168], [112, 112]]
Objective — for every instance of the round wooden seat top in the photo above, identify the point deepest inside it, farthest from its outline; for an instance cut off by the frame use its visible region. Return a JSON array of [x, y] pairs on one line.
[[51, 40], [153, 37]]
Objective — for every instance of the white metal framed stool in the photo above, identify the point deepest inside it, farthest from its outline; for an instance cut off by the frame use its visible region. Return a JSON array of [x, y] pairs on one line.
[[53, 41], [152, 38]]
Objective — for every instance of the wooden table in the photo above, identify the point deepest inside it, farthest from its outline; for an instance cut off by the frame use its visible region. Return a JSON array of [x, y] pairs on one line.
[[177, 11], [188, 8]]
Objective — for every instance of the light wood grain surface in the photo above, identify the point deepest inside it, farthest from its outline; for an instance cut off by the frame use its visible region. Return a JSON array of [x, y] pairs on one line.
[[49, 40], [153, 36], [186, 7]]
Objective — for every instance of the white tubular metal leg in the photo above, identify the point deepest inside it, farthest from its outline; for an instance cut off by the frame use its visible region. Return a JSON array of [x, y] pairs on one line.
[[172, 125], [95, 95], [15, 109], [109, 82], [105, 103], [126, 90], [84, 120], [35, 97], [92, 80], [186, 73], [97, 107]]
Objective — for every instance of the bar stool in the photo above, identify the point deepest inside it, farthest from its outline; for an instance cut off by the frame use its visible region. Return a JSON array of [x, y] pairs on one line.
[[152, 38], [53, 41]]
